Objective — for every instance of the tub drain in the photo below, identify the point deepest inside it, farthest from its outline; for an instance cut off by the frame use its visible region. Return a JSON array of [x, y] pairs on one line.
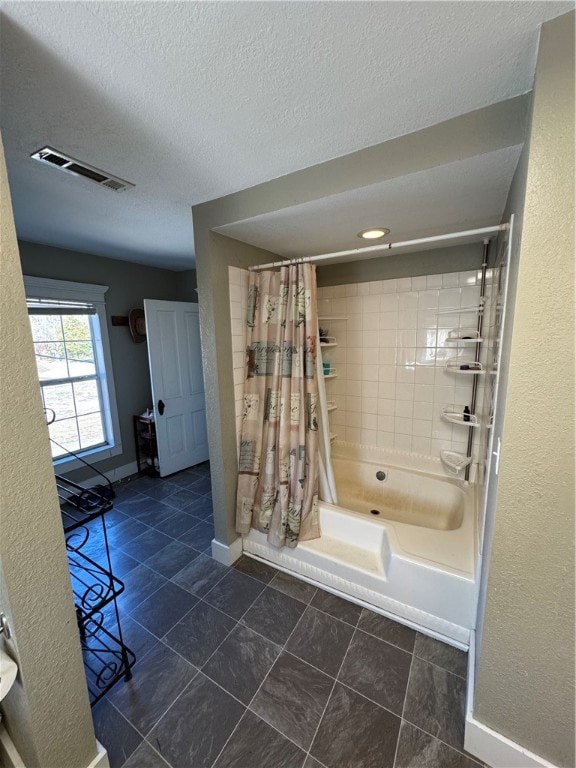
[[374, 511]]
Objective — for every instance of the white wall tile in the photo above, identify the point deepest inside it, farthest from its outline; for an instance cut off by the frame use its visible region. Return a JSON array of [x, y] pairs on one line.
[[353, 405], [387, 390], [391, 360], [370, 406], [405, 338], [422, 410], [387, 373], [405, 391], [369, 389], [386, 320], [424, 374], [354, 304], [405, 374], [421, 445], [386, 423], [450, 280], [353, 418], [408, 319], [386, 407], [369, 437], [353, 434], [421, 428], [402, 442], [408, 301], [419, 283], [385, 439], [370, 303], [404, 408], [371, 339], [467, 278], [371, 321], [449, 298], [387, 356], [370, 372], [433, 281]]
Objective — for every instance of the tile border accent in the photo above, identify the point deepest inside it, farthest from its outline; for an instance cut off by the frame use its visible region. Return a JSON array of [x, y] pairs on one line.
[[227, 554], [490, 746]]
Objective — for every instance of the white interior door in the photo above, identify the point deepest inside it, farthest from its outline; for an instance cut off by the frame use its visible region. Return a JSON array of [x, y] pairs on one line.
[[173, 333]]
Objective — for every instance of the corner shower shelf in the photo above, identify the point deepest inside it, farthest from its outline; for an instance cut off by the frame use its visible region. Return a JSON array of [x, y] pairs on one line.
[[333, 436], [464, 336], [455, 365], [331, 406], [455, 414], [328, 344], [331, 375], [455, 462]]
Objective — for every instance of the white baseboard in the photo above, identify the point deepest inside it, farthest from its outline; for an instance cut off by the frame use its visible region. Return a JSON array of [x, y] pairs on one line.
[[227, 554], [10, 757], [492, 747], [113, 474], [101, 759]]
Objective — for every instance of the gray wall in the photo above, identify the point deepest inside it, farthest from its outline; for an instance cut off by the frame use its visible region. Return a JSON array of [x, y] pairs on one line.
[[525, 687], [46, 713], [186, 284], [129, 285], [214, 254], [457, 258]]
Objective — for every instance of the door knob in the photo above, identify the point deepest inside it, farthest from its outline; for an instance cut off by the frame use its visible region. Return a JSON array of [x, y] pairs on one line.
[[161, 407]]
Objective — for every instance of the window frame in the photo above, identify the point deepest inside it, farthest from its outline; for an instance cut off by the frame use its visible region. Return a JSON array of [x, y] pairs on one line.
[[66, 290]]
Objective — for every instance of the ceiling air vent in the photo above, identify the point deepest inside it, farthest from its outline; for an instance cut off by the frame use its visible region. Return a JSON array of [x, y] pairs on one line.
[[66, 163]]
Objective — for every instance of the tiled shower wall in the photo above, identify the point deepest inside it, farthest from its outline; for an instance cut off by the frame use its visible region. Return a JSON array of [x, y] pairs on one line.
[[390, 360], [238, 281]]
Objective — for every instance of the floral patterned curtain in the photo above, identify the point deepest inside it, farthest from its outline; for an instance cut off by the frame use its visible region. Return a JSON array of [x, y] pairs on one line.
[[278, 467]]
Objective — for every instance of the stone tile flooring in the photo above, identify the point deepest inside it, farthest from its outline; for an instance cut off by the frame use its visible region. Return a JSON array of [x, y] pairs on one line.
[[247, 667]]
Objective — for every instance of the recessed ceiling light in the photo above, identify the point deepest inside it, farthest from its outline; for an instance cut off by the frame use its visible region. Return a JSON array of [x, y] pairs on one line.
[[374, 233]]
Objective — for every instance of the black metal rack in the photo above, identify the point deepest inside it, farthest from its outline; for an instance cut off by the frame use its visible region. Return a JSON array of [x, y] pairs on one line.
[[95, 588]]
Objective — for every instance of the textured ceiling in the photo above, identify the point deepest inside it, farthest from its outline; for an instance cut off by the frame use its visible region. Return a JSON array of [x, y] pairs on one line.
[[457, 196], [191, 101]]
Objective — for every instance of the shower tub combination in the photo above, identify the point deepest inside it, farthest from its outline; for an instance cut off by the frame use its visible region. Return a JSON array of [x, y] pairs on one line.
[[401, 540]]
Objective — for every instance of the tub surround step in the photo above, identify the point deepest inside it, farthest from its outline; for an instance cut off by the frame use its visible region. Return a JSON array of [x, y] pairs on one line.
[[346, 553]]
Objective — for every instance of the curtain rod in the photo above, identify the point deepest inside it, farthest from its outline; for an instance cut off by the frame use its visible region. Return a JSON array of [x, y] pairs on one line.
[[382, 247]]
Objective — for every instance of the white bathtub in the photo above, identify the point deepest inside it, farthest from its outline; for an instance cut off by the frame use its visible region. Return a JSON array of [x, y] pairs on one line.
[[414, 560]]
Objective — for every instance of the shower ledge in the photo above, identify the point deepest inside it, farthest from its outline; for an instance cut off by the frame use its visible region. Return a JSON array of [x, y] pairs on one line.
[[346, 553]]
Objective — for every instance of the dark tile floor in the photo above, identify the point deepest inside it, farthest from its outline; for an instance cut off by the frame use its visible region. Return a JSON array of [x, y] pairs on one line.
[[247, 667]]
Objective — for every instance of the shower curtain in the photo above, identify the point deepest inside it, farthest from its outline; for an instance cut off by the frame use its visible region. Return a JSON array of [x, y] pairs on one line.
[[278, 465]]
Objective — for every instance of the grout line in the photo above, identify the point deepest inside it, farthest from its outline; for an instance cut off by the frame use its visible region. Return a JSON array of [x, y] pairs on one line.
[[329, 697], [445, 743], [152, 747], [282, 648], [438, 666], [381, 639], [403, 708], [138, 731]]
